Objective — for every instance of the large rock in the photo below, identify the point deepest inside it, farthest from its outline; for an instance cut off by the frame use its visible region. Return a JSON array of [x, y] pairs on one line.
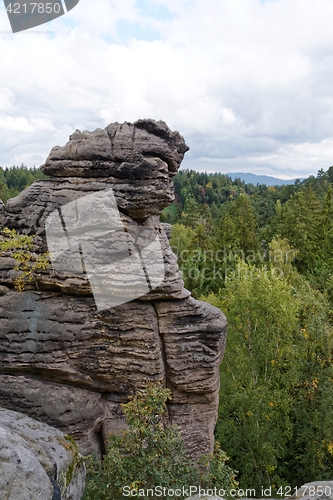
[[317, 490], [124, 151], [68, 361], [37, 461]]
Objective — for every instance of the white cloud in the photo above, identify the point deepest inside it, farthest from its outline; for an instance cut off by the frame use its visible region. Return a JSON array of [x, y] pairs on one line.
[[6, 98], [249, 84], [21, 124], [318, 155]]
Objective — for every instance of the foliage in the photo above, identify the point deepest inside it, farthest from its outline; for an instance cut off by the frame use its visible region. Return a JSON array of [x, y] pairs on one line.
[[301, 220], [257, 374], [151, 453], [13, 180], [276, 379], [311, 449], [237, 229], [20, 247], [181, 239], [264, 255], [321, 278]]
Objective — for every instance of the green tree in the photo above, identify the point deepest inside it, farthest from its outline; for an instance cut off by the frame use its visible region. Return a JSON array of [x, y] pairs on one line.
[[191, 212], [181, 240], [327, 225], [171, 214], [238, 226], [13, 180], [151, 453], [310, 456], [276, 392], [257, 375], [4, 192], [301, 221]]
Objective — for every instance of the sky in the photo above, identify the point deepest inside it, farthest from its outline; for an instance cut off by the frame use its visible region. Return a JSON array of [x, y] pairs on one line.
[[248, 83]]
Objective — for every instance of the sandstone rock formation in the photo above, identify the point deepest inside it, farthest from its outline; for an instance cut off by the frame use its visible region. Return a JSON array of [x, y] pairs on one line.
[[70, 364], [37, 461]]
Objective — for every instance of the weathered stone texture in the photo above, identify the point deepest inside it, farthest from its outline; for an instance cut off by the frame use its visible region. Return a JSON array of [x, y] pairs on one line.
[[66, 363], [124, 151], [37, 461]]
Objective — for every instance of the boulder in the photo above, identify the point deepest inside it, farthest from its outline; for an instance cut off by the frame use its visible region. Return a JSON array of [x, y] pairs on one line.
[[317, 490], [38, 461]]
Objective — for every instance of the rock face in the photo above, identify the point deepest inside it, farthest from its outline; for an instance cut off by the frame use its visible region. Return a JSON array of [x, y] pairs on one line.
[[71, 364], [2, 212], [37, 461]]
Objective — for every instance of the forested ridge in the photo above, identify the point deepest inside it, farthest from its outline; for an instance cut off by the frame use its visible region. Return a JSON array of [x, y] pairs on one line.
[[264, 256], [14, 179]]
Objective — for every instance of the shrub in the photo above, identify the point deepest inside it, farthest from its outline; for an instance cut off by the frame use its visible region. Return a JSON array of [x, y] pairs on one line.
[[151, 453], [20, 247]]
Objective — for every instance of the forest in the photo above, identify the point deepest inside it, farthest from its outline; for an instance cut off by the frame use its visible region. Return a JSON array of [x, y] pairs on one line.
[[14, 179], [263, 255]]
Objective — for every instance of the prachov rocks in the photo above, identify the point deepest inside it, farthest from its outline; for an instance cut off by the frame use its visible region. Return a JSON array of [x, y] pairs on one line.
[[65, 359]]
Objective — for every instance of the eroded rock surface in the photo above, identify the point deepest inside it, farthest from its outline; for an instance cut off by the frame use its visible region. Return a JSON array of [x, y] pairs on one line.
[[70, 364], [37, 461], [315, 491]]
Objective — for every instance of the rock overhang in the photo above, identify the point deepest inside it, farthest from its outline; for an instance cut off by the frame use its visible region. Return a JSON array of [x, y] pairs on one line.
[[122, 151]]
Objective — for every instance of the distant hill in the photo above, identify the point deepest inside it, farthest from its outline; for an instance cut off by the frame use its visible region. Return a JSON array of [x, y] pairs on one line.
[[261, 179]]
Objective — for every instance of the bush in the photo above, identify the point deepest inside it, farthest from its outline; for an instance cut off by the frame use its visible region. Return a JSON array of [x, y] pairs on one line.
[[20, 247], [151, 453]]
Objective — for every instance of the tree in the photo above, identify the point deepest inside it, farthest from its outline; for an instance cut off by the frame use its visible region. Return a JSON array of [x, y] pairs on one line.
[[13, 180], [151, 453], [171, 214], [4, 192], [276, 392], [237, 229], [181, 239], [310, 456], [191, 212], [327, 224], [301, 221], [257, 374]]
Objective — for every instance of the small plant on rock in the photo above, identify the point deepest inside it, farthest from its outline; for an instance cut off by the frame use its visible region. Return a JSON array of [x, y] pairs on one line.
[[20, 247]]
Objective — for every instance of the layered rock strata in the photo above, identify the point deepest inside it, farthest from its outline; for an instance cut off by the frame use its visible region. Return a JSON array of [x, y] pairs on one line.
[[70, 362]]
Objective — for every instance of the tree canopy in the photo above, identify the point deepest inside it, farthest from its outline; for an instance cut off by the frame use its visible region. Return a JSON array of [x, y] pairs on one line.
[[14, 179]]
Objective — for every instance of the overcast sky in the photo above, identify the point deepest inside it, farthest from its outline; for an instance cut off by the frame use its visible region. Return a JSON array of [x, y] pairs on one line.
[[248, 83]]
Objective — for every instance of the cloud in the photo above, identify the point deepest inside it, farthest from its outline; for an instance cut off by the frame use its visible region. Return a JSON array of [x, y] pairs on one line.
[[6, 98], [271, 163], [248, 83]]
